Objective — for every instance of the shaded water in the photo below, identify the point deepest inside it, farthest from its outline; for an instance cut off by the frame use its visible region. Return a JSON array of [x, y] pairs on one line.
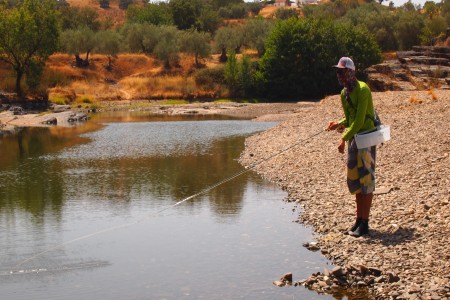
[[79, 214]]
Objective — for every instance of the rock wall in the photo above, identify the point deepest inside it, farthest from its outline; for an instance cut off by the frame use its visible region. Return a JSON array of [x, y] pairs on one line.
[[421, 68]]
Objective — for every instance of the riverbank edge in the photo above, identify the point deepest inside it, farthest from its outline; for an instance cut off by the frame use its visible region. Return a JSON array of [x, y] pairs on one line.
[[66, 116], [410, 216]]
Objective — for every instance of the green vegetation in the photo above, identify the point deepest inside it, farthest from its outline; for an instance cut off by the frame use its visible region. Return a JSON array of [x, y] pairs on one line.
[[299, 53], [28, 36], [288, 55]]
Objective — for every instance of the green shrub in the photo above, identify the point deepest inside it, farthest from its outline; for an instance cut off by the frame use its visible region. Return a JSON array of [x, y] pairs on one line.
[[60, 100], [210, 78], [87, 99]]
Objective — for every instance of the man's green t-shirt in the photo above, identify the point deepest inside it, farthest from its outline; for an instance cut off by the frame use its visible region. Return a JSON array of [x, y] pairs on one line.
[[359, 116]]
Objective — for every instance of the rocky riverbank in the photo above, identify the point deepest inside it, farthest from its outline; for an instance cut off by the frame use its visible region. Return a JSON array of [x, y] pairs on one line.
[[406, 254], [64, 115]]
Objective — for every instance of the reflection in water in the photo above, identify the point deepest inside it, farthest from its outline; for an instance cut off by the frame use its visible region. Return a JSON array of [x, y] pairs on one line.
[[60, 184]]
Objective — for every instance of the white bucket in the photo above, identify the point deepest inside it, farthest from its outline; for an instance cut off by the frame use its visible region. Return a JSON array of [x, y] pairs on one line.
[[368, 139]]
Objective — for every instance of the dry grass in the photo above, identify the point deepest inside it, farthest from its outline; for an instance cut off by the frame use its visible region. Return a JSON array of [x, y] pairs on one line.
[[164, 87]]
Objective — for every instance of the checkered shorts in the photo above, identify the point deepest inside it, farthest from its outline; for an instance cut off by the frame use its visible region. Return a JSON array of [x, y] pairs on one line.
[[360, 169]]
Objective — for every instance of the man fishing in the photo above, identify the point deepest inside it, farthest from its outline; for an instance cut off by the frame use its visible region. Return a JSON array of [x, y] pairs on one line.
[[356, 99]]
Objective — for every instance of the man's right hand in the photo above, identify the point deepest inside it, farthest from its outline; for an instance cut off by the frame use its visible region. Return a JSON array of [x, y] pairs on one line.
[[332, 126]]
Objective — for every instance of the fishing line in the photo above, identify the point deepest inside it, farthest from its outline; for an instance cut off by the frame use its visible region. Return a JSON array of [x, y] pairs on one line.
[[252, 166], [248, 168]]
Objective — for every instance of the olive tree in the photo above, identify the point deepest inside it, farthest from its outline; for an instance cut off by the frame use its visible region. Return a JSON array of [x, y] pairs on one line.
[[255, 33], [108, 43], [196, 43], [140, 38], [168, 45], [79, 41], [228, 38], [28, 36]]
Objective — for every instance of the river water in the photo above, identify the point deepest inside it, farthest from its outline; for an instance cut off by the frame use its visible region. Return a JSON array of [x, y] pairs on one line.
[[88, 212]]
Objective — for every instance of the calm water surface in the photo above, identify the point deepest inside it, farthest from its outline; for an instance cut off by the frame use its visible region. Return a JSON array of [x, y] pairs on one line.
[[86, 213]]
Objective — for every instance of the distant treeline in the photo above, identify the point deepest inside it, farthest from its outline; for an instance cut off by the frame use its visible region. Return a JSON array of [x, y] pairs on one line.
[[295, 46]]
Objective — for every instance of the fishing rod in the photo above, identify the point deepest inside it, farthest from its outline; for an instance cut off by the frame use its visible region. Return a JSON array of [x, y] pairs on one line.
[[248, 168]]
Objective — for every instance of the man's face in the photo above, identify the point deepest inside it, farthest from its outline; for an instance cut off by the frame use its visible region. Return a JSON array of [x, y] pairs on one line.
[[341, 75]]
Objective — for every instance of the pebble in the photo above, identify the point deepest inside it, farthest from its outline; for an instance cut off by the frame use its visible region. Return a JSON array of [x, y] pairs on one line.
[[409, 219]]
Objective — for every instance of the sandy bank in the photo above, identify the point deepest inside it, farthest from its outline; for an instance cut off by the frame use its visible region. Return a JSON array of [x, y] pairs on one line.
[[410, 218]]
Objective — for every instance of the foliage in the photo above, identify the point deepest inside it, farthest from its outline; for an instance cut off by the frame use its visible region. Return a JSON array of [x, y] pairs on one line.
[[28, 36], [229, 38], [234, 11], [378, 20], [223, 3], [79, 17], [186, 12], [209, 78], [283, 13], [300, 53], [123, 4], [328, 10], [79, 41], [85, 99], [168, 46], [433, 28], [196, 43], [255, 33], [239, 75], [208, 21], [408, 29], [108, 43], [157, 14], [140, 37]]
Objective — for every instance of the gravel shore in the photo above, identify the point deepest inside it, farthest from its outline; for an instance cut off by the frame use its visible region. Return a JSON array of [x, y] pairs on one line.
[[410, 217]]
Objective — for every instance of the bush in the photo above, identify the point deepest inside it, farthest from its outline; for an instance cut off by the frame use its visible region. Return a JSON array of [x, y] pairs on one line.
[[300, 52], [285, 13], [60, 100], [209, 79]]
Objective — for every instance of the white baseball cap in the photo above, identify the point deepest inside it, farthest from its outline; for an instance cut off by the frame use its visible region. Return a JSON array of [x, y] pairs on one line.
[[345, 62]]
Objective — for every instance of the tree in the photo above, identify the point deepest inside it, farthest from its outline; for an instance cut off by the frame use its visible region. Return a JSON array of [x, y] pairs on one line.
[[299, 53], [378, 20], [186, 12], [140, 37], [168, 45], [79, 41], [104, 3], [123, 4], [228, 38], [78, 17], [255, 33], [196, 43], [408, 28], [28, 36], [108, 43], [157, 14]]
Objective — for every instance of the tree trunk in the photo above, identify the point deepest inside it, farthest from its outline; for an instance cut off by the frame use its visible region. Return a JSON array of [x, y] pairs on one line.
[[86, 61], [109, 66], [196, 60], [19, 75], [223, 55]]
